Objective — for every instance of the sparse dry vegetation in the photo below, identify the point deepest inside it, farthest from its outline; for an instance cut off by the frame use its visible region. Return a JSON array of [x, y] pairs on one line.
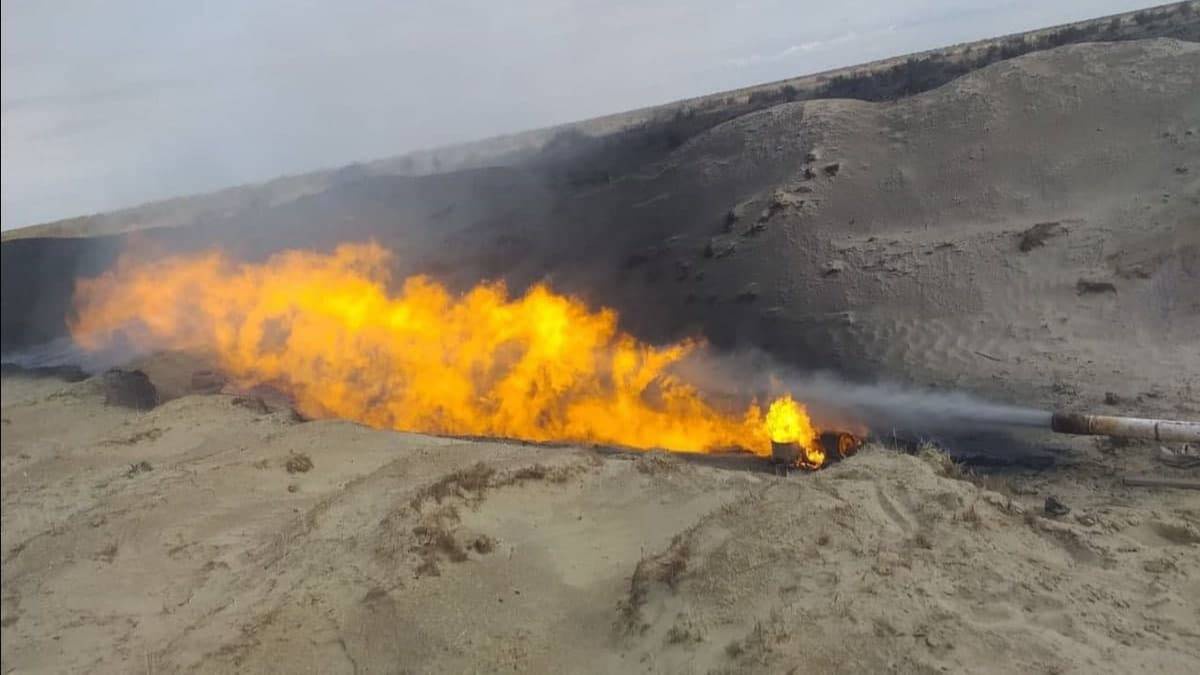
[[255, 404], [760, 641], [665, 568], [483, 544], [108, 553], [970, 516], [941, 460], [557, 474], [298, 463], [656, 463], [438, 538], [1037, 235], [436, 533], [684, 631], [994, 483], [434, 540], [139, 468], [145, 435], [948, 467], [469, 484]]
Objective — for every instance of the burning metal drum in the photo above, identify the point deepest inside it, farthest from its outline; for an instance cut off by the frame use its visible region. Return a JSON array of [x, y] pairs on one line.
[[832, 446]]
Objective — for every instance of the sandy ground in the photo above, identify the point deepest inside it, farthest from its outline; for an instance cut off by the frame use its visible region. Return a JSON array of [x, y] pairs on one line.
[[210, 536], [909, 260]]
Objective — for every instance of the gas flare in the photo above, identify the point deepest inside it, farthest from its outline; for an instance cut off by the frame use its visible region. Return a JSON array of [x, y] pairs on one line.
[[788, 423], [325, 329]]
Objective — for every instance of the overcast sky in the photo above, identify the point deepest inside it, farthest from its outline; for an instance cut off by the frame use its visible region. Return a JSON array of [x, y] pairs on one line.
[[112, 103]]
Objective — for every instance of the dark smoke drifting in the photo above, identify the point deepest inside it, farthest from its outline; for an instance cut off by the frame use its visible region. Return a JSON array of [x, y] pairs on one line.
[[883, 407], [64, 352]]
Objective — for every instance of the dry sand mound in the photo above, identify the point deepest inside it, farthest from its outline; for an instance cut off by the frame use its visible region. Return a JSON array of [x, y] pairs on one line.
[[213, 537]]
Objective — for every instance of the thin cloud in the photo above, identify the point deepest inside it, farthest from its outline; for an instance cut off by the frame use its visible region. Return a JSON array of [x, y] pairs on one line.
[[793, 50]]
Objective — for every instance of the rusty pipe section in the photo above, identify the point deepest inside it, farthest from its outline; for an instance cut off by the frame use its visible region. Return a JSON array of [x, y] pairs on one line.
[[1125, 427]]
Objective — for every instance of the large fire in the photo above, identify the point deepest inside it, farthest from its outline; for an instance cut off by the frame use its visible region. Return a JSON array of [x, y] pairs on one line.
[[325, 329]]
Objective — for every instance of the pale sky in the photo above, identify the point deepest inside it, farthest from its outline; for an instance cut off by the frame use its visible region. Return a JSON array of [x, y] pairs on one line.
[[108, 104]]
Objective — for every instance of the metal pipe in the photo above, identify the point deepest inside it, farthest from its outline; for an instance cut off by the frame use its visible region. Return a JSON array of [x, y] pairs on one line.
[[834, 446], [1125, 427]]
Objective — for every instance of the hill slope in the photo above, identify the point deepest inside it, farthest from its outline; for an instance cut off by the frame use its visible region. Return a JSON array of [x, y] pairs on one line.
[[868, 238]]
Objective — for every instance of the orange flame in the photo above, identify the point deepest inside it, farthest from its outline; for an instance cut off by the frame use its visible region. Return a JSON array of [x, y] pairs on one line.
[[788, 422], [325, 329]]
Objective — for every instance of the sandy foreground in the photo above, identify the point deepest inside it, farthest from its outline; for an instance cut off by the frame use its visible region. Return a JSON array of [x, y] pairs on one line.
[[212, 534]]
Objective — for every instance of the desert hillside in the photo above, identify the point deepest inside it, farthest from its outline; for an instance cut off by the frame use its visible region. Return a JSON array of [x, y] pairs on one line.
[[867, 238]]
